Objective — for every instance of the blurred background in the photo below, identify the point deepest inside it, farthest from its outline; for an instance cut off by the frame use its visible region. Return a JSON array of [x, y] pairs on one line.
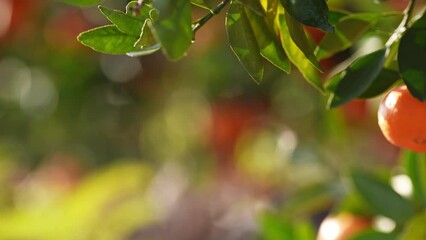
[[96, 146]]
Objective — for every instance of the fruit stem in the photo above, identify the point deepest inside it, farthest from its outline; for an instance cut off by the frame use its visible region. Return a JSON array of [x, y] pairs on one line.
[[200, 22], [408, 12]]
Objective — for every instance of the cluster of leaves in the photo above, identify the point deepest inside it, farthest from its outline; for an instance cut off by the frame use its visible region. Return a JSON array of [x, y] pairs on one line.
[[381, 199], [274, 30]]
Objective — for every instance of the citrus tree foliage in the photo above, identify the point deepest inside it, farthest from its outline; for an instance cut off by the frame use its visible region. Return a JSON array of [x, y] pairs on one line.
[[274, 30]]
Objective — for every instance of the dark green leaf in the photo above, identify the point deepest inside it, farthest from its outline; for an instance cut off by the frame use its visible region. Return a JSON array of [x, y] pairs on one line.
[[347, 30], [243, 42], [125, 23], [411, 58], [82, 3], [270, 47], [296, 56], [356, 79], [174, 27], [253, 5], [383, 82], [335, 16], [415, 228], [201, 3], [373, 235], [309, 12], [298, 35], [382, 198], [415, 167], [108, 39]]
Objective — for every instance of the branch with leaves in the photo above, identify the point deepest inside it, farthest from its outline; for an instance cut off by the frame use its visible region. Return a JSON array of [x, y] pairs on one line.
[[275, 30]]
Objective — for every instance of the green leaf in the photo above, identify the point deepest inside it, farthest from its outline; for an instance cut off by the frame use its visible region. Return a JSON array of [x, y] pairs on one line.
[[347, 30], [382, 198], [243, 42], [144, 51], [174, 27], [298, 35], [125, 23], [374, 235], [267, 41], [108, 39], [146, 38], [411, 58], [309, 12], [82, 3], [356, 79], [201, 3], [296, 56], [253, 5], [415, 167], [414, 229], [335, 16], [381, 83]]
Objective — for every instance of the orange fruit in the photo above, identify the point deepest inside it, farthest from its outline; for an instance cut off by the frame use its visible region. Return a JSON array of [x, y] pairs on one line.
[[402, 119]]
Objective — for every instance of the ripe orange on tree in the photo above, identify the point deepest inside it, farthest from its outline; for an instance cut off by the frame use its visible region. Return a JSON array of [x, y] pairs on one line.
[[342, 226], [402, 119]]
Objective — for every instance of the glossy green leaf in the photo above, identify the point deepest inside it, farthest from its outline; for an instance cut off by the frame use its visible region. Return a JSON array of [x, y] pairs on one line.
[[309, 12], [374, 235], [381, 83], [347, 30], [382, 198], [270, 47], [82, 3], [411, 58], [201, 3], [414, 229], [125, 23], [108, 39], [243, 42], [298, 35], [296, 56], [356, 79], [415, 167], [174, 27]]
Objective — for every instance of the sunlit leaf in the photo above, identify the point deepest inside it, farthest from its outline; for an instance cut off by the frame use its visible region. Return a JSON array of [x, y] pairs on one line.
[[296, 56], [270, 47], [309, 12], [356, 79], [108, 39], [82, 3], [298, 35], [382, 198], [125, 23], [174, 27], [135, 9], [381, 83], [243, 42], [146, 38], [411, 58], [274, 227], [347, 30]]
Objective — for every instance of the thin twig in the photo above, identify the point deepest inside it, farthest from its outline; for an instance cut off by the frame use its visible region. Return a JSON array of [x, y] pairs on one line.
[[200, 22]]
